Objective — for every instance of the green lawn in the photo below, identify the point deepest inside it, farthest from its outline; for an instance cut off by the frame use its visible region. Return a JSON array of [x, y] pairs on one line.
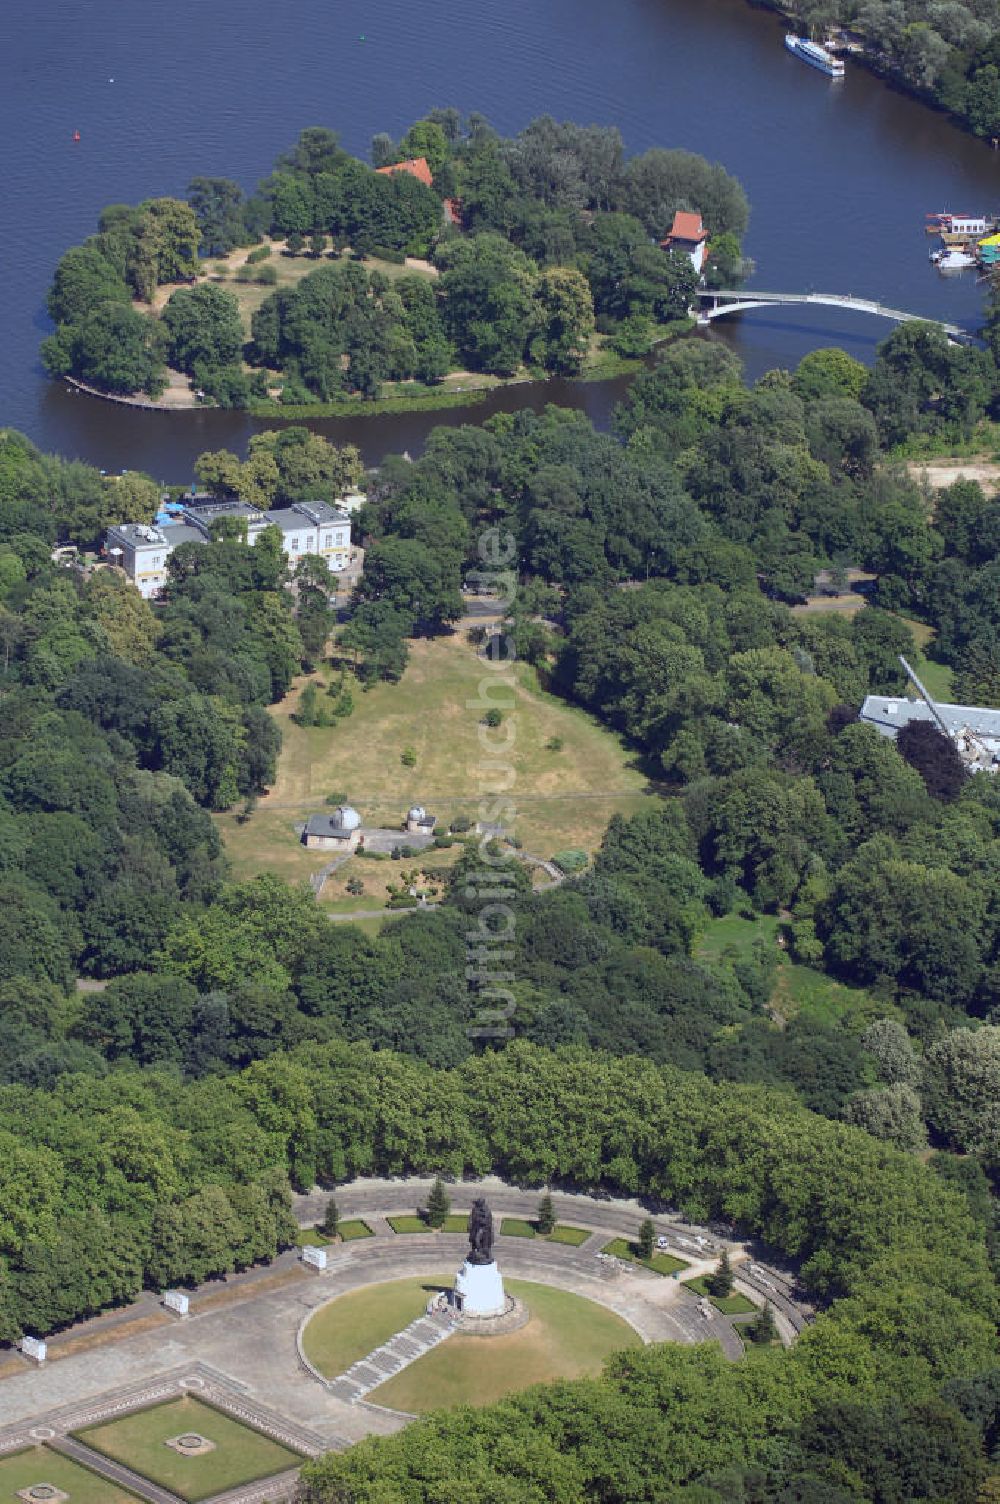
[[566, 1337], [139, 1440], [733, 937], [38, 1465], [408, 1222], [352, 1325], [354, 1228], [517, 1227], [574, 1236], [936, 677], [311, 1237], [797, 989], [731, 1305], [564, 798], [456, 1222], [660, 1263]]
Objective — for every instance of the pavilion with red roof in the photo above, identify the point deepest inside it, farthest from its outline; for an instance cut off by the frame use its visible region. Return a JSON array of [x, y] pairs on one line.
[[417, 167], [688, 234]]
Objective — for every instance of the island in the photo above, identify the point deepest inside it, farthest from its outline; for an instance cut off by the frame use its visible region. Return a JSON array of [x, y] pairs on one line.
[[460, 259]]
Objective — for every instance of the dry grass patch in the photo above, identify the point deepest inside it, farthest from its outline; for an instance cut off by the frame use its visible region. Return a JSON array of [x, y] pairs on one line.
[[563, 798]]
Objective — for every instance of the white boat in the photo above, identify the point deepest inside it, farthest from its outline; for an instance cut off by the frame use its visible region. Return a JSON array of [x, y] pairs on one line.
[[815, 55], [953, 259]]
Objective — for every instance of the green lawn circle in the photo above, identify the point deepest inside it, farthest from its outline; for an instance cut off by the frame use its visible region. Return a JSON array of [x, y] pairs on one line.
[[566, 1336]]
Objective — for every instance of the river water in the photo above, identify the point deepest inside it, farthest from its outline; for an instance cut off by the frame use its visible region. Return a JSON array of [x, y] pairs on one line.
[[839, 175]]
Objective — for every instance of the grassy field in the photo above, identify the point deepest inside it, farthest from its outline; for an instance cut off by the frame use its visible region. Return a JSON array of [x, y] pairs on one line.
[[936, 677], [566, 1337], [731, 1305], [660, 1263], [563, 798], [139, 1441], [351, 1326], [797, 989], [39, 1465]]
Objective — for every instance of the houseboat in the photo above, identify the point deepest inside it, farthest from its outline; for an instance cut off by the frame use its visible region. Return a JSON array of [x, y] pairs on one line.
[[815, 55]]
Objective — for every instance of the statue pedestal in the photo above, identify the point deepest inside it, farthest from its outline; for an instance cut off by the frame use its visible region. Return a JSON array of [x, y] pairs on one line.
[[479, 1290]]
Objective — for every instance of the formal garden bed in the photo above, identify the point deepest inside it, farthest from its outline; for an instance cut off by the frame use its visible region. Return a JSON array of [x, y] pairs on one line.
[[519, 1227], [38, 1465], [733, 1304], [235, 1453], [659, 1263]]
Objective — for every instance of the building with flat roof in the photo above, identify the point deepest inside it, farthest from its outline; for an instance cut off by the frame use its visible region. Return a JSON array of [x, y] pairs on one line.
[[975, 729], [307, 527]]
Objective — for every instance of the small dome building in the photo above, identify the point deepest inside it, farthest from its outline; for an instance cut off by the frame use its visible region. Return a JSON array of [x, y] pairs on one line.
[[419, 821], [340, 830]]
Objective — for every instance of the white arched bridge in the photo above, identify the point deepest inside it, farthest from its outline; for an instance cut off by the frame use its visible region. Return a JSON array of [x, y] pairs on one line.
[[719, 305]]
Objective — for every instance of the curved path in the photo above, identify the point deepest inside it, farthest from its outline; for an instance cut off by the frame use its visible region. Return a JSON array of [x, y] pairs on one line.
[[241, 1333], [725, 303]]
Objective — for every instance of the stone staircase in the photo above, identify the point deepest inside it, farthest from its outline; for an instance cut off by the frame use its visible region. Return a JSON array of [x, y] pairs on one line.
[[380, 1364]]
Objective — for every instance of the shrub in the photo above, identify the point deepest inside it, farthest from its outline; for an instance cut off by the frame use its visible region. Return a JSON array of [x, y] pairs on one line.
[[461, 825], [408, 757], [554, 744], [260, 253], [570, 861], [493, 717], [335, 799], [385, 253], [266, 276]]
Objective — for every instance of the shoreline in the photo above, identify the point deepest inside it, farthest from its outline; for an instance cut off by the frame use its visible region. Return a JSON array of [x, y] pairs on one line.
[[875, 63], [608, 369]]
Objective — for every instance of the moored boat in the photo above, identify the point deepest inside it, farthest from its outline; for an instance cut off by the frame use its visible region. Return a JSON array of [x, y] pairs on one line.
[[815, 55], [953, 259]]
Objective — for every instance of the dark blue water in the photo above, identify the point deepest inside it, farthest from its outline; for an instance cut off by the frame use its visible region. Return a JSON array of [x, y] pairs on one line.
[[839, 176]]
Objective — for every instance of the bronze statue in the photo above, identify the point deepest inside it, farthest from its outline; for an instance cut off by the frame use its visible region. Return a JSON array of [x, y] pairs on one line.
[[480, 1233]]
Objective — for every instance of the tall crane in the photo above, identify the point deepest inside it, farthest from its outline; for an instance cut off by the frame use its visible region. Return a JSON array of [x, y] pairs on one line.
[[974, 753]]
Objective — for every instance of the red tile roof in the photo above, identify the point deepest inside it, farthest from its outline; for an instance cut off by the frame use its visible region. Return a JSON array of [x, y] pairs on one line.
[[687, 226], [416, 166]]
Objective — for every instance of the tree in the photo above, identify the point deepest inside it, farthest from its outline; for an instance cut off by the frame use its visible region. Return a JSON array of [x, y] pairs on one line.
[[331, 1218], [935, 758], [647, 1238], [113, 347], [204, 327], [488, 289], [892, 1050], [218, 206], [720, 1283], [892, 1113], [567, 320], [84, 279], [546, 1218], [438, 1205], [763, 1329], [961, 1089], [829, 373]]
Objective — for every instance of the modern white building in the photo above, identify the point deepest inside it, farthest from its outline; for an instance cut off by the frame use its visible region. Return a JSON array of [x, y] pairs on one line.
[[307, 528]]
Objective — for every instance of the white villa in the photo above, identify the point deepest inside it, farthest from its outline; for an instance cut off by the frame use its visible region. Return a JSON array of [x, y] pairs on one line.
[[307, 527]]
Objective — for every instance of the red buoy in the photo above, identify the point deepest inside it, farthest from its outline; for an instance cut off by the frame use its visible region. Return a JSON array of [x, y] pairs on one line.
[[76, 135]]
